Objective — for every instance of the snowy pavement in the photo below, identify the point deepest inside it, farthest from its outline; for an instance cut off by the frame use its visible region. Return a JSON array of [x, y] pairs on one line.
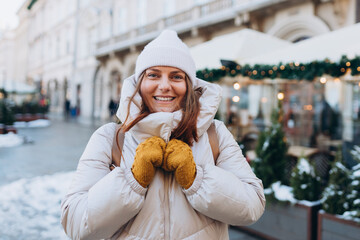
[[30, 208]]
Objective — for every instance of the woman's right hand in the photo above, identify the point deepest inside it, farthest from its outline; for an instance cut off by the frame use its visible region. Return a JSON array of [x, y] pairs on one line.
[[149, 154]]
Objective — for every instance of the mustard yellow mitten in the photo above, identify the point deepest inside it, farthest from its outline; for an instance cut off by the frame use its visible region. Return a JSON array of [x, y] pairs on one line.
[[179, 158], [149, 154]]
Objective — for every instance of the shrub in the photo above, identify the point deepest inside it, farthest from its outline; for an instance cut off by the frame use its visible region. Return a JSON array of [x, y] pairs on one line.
[[342, 191], [306, 185], [271, 150]]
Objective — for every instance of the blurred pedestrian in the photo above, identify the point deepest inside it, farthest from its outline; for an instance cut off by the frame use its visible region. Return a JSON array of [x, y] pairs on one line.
[[168, 185], [67, 109], [112, 108]]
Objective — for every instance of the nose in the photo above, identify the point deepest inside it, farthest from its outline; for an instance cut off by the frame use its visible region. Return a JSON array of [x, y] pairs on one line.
[[164, 84]]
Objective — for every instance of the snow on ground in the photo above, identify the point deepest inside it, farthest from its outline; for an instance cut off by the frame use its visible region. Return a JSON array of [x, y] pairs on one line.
[[10, 140], [33, 124], [30, 208]]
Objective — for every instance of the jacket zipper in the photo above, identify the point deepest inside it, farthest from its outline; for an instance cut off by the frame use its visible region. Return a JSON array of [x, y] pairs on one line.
[[166, 207]]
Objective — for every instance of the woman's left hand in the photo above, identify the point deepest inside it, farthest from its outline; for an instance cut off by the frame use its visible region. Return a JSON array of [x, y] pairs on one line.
[[179, 158]]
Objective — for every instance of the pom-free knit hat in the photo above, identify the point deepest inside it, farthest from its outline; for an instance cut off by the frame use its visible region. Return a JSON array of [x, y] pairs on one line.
[[166, 50]]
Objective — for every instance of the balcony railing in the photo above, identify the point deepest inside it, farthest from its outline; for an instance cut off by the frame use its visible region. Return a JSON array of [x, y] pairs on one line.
[[179, 18], [191, 16], [215, 6]]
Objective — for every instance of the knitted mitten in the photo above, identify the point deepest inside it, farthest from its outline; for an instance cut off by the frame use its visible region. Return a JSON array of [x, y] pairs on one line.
[[149, 154], [178, 157]]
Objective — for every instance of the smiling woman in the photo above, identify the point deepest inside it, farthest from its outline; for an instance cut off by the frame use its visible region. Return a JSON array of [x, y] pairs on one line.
[[168, 185]]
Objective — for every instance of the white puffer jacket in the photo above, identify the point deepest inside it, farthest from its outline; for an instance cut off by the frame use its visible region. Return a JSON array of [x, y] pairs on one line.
[[112, 204]]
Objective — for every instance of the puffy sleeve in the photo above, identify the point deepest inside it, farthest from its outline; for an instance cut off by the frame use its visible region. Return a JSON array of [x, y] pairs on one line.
[[228, 192], [100, 202]]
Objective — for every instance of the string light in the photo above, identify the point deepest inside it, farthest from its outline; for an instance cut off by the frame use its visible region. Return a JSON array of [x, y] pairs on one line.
[[236, 98], [237, 86], [323, 80], [348, 64], [308, 107], [280, 96]]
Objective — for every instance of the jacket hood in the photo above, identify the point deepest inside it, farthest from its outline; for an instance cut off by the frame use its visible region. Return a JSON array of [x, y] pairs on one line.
[[161, 124]]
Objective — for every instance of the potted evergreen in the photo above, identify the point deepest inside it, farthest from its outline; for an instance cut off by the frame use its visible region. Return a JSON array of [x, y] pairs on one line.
[[7, 117], [286, 208], [340, 216]]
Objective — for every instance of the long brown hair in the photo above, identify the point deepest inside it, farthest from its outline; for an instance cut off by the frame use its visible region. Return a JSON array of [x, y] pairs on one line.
[[190, 107]]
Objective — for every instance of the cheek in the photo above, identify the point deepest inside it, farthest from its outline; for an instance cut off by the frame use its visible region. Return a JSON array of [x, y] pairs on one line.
[[181, 90], [146, 89]]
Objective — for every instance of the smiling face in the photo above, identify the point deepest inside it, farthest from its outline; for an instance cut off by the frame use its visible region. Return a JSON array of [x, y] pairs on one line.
[[163, 88]]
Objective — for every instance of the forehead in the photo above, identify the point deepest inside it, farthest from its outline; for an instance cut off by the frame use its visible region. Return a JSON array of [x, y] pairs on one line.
[[165, 69]]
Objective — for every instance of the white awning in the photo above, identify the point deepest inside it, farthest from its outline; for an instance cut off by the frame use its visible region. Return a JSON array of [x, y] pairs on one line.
[[235, 46], [332, 45], [18, 87]]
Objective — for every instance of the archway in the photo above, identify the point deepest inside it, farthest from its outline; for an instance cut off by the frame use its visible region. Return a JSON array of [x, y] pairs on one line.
[[298, 28], [53, 95]]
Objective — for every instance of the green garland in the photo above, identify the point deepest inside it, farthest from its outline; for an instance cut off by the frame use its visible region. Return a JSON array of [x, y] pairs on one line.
[[31, 4], [292, 70]]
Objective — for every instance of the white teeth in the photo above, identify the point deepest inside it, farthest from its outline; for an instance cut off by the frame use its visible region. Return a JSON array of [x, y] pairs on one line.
[[164, 98]]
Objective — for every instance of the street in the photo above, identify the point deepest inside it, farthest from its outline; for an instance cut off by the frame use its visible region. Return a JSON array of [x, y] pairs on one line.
[[34, 177]]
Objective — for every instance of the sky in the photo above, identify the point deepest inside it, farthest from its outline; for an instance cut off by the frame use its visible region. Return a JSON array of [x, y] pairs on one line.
[[8, 9]]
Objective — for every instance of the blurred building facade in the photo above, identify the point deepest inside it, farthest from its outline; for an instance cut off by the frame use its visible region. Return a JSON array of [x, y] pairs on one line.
[[82, 50]]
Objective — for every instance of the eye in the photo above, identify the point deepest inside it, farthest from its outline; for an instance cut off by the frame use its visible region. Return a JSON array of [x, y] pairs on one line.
[[178, 77], [152, 75]]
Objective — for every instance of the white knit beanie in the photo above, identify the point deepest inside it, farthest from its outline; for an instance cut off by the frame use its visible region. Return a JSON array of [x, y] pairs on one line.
[[166, 50]]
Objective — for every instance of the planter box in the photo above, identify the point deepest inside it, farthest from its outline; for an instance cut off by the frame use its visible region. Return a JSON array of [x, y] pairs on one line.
[[10, 128], [27, 117], [332, 227], [286, 222]]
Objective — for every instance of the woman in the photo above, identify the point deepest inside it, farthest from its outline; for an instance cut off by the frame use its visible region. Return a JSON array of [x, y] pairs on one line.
[[167, 185]]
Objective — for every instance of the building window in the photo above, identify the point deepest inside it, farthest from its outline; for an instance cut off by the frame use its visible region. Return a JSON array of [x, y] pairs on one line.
[[169, 8], [121, 20], [142, 12], [200, 2], [57, 46]]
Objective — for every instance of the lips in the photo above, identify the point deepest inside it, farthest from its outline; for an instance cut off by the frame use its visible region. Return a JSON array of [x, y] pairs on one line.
[[164, 99]]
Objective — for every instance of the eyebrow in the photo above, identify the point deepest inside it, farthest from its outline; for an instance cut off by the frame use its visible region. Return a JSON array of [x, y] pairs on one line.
[[157, 70]]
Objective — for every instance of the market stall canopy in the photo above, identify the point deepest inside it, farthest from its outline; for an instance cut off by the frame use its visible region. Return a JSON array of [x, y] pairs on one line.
[[332, 46], [236, 46], [18, 87]]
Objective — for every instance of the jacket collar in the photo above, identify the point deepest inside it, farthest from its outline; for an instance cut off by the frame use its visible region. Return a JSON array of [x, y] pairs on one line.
[[161, 124]]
